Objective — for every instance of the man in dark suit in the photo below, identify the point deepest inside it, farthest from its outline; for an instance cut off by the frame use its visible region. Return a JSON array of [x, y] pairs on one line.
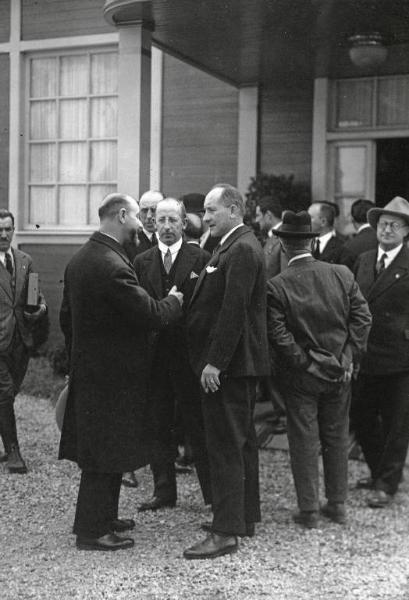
[[228, 351], [15, 335], [173, 385], [106, 317], [365, 238], [147, 212], [382, 410], [329, 246], [318, 323]]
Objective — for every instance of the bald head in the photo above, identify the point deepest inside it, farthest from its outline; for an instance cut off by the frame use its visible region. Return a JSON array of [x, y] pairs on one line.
[[112, 204], [118, 214], [147, 205]]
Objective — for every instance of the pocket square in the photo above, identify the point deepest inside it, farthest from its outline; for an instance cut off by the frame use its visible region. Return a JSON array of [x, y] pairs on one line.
[[210, 269], [193, 275]]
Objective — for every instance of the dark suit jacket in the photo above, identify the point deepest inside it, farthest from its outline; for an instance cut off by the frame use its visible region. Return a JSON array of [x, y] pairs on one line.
[[144, 243], [316, 306], [13, 302], [388, 299], [227, 314], [336, 254], [276, 260], [105, 317], [361, 242]]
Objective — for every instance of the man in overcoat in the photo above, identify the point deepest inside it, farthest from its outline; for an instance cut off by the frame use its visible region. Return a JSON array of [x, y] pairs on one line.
[[382, 405], [173, 386], [318, 324], [228, 351], [106, 317]]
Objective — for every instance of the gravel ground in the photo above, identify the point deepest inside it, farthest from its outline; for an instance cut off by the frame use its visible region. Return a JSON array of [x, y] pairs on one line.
[[367, 559]]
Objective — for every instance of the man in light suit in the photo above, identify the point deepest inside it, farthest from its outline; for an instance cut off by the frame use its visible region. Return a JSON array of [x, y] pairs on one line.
[[382, 409], [228, 352], [173, 385], [16, 338], [318, 323]]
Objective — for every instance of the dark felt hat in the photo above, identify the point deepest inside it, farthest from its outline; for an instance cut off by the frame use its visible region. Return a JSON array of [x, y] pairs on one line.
[[295, 225], [193, 202]]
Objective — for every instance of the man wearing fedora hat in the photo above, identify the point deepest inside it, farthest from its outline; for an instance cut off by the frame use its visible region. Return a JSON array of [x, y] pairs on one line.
[[382, 408], [318, 324]]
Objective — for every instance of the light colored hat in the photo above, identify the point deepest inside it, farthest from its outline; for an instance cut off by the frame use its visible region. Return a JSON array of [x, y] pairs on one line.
[[398, 207]]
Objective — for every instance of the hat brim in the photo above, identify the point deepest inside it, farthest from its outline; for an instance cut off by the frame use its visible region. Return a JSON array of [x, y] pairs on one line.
[[295, 234], [374, 214]]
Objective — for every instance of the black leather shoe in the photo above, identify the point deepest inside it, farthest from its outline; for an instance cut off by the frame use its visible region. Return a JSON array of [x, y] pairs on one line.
[[107, 542], [129, 480], [122, 525], [250, 529], [213, 546], [365, 483], [379, 499], [335, 511], [155, 503], [15, 462], [307, 518]]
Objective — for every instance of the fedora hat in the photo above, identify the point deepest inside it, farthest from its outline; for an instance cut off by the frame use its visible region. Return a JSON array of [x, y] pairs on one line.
[[397, 207], [193, 202], [295, 225]]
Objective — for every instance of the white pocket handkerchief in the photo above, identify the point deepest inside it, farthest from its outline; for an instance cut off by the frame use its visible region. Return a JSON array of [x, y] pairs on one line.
[[210, 269], [193, 275]]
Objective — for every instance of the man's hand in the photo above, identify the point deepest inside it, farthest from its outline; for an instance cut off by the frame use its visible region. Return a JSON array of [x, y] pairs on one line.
[[348, 374], [30, 317], [210, 379], [178, 295]]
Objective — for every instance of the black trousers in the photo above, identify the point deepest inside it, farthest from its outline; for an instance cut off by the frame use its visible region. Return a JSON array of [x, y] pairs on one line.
[[13, 367], [233, 454], [382, 426], [97, 503], [317, 415]]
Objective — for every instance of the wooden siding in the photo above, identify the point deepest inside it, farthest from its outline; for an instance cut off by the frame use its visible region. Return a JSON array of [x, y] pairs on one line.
[[4, 128], [60, 18], [199, 130], [285, 130], [5, 20], [50, 262]]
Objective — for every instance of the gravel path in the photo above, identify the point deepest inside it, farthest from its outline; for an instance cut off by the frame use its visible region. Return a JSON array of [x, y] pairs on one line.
[[367, 559]]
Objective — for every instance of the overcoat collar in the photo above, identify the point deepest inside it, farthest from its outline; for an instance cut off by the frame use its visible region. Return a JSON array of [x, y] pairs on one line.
[[111, 243], [393, 274]]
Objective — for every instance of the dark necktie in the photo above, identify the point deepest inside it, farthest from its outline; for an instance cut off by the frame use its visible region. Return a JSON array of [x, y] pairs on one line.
[[9, 264], [380, 265], [316, 252], [167, 261]]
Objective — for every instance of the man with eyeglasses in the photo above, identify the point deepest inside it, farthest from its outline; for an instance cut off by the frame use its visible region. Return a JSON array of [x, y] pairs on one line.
[[382, 407]]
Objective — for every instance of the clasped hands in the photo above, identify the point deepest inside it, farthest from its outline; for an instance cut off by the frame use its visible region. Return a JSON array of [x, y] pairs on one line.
[[210, 380]]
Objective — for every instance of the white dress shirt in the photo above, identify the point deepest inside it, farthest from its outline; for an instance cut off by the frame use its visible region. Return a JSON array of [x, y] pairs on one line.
[[174, 249], [390, 254]]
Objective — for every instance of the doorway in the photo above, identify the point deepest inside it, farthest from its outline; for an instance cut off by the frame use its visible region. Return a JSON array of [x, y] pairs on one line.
[[392, 169]]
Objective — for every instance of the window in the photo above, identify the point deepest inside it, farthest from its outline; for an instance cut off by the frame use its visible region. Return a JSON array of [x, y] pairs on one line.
[[72, 137]]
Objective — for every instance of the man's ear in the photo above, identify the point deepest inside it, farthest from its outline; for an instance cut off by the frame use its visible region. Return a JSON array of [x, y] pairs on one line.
[[122, 215]]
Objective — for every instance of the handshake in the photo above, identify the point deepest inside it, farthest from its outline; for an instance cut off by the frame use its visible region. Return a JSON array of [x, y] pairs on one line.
[[178, 295]]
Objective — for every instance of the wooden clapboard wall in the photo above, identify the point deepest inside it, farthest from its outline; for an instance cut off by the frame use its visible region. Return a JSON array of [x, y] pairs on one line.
[[285, 130], [4, 128], [200, 129]]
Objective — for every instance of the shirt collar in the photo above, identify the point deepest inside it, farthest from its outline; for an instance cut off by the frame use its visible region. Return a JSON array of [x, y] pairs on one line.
[[228, 234], [149, 234], [276, 226], [110, 236], [364, 226], [324, 239], [3, 256], [174, 248], [391, 254], [294, 258]]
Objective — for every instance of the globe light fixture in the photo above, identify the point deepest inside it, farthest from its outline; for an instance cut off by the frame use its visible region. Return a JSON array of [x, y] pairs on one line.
[[367, 50]]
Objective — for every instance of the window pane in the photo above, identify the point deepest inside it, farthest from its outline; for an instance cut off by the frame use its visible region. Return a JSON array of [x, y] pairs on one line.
[[43, 118], [393, 101], [350, 170], [42, 206], [103, 161], [96, 195], [74, 75], [354, 103], [73, 162], [73, 205], [43, 80], [104, 73], [104, 117], [73, 119], [42, 163]]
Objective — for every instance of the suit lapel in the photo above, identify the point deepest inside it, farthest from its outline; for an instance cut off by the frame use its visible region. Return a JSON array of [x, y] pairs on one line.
[[398, 269], [184, 264], [154, 272], [5, 282]]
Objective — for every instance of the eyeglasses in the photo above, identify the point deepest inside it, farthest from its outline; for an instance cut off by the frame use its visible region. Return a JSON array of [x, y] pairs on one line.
[[394, 225]]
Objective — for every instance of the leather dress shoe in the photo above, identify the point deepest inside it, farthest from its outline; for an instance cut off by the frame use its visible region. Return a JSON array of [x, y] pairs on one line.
[[379, 499], [15, 462], [155, 503], [335, 511], [365, 483], [250, 529], [107, 542], [129, 480], [122, 525], [213, 546], [307, 518]]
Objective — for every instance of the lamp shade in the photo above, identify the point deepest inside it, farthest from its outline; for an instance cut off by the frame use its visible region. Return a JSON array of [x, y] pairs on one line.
[[367, 50]]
